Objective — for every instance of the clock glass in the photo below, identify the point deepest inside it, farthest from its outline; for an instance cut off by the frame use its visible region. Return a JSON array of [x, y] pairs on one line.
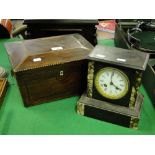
[[111, 83]]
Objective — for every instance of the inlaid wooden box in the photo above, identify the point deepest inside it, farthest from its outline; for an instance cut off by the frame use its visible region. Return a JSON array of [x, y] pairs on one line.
[[50, 68]]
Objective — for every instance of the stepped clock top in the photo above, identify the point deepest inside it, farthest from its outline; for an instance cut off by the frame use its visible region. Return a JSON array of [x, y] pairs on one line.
[[118, 56]]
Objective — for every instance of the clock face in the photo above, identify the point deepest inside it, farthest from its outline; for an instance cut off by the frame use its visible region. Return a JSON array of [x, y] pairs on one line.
[[111, 83]]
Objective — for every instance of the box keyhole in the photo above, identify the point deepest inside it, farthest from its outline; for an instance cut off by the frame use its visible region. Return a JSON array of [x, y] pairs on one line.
[[61, 73]]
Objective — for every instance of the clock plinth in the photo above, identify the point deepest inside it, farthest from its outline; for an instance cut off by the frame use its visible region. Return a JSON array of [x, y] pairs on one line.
[[108, 112]]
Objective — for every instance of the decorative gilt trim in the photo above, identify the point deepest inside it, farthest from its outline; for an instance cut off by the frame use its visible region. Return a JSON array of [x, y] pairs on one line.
[[138, 80], [134, 123], [133, 98], [135, 88], [80, 108], [90, 77]]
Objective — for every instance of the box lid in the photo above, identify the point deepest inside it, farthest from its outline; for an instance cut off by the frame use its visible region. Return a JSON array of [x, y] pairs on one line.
[[36, 53], [122, 57]]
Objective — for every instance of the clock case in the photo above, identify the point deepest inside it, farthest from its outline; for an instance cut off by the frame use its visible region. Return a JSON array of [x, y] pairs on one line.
[[50, 68], [115, 114], [3, 88], [133, 66]]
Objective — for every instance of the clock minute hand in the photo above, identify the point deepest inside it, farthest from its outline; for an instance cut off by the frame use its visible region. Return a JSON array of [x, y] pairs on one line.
[[116, 87], [111, 83]]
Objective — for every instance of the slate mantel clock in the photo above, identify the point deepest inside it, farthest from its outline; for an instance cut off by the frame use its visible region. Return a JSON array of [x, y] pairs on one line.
[[114, 74]]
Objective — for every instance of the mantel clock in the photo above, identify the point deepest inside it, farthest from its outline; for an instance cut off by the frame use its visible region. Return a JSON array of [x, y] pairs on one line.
[[113, 80]]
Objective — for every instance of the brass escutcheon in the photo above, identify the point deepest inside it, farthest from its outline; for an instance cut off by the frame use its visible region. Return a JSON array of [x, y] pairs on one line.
[[61, 73]]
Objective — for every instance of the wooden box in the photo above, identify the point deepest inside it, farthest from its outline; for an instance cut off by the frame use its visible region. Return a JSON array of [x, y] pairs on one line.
[[115, 114], [149, 80], [50, 68], [53, 27], [3, 87]]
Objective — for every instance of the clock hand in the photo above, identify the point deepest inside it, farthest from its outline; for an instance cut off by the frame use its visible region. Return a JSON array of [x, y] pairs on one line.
[[112, 75], [111, 83], [116, 87]]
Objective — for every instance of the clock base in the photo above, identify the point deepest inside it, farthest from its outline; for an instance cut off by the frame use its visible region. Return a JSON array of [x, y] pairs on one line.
[[108, 112]]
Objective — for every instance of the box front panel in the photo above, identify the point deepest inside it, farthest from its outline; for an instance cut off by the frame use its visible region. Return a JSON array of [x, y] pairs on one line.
[[54, 82]]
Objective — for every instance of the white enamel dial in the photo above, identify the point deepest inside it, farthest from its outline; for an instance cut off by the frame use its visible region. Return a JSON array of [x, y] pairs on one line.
[[111, 83]]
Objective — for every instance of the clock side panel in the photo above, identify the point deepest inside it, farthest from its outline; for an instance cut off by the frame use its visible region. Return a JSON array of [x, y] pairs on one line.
[[129, 98], [90, 78]]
